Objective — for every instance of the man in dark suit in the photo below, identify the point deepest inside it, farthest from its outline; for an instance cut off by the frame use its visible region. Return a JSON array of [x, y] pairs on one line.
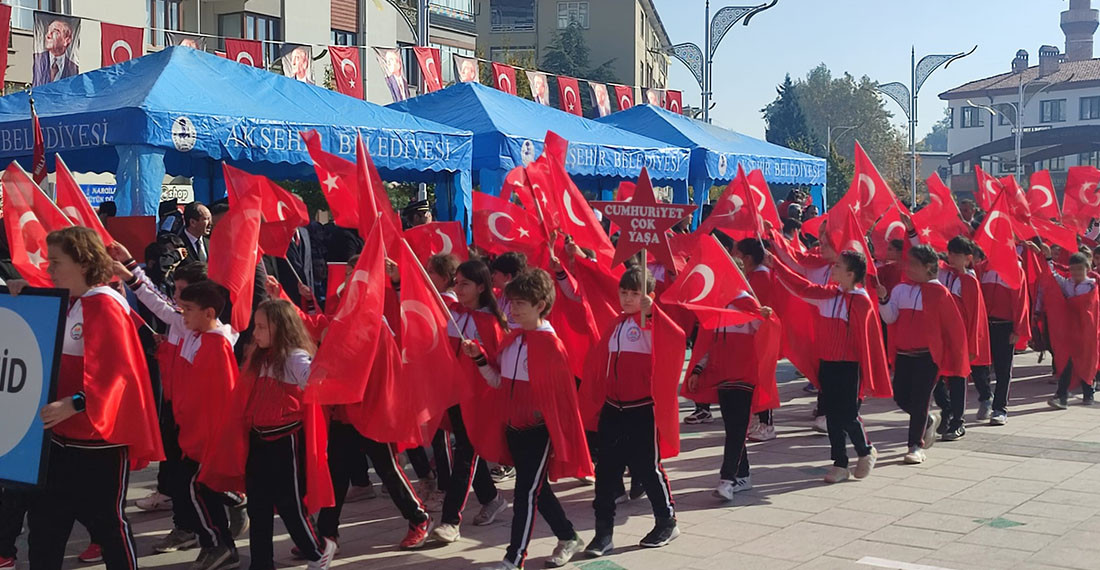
[[56, 61], [196, 231], [297, 265]]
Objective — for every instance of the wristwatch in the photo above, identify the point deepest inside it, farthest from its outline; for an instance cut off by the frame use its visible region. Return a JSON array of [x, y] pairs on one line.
[[79, 403]]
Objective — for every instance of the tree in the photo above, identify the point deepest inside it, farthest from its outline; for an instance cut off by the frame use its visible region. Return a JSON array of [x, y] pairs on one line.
[[786, 124], [936, 141], [568, 55]]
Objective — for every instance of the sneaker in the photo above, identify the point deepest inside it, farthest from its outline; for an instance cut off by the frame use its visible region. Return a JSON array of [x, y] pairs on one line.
[[600, 546], [91, 554], [915, 456], [564, 552], [1088, 400], [586, 480], [836, 474], [238, 521], [360, 493], [699, 417], [930, 428], [763, 432], [1058, 403], [6, 562], [809, 388], [502, 473], [490, 511], [418, 533], [622, 498], [637, 491], [502, 565], [955, 434], [741, 484], [296, 553], [326, 557], [865, 464], [945, 426], [984, 408], [446, 532], [998, 419], [217, 558], [155, 502], [176, 540], [724, 490], [820, 425], [663, 533]]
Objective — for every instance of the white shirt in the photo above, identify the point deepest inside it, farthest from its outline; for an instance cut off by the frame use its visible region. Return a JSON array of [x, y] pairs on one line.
[[196, 243]]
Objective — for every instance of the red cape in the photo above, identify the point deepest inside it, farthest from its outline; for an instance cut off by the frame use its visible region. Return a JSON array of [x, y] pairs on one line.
[[202, 394], [388, 412], [668, 360], [491, 334], [975, 318], [757, 355], [555, 396], [1073, 329], [943, 330]]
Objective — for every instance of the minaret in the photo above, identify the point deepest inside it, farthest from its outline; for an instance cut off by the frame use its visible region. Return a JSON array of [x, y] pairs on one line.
[[1079, 24]]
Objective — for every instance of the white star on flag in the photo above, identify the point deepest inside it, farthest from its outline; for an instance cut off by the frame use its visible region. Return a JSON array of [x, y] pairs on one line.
[[522, 232], [926, 232], [35, 257], [331, 182]]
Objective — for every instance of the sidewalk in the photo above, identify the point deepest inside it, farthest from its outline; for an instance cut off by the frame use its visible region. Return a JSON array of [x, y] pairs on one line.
[[1020, 496]]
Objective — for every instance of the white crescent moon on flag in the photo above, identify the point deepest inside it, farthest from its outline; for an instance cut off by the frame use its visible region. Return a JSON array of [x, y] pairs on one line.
[[125, 47], [936, 198], [989, 224], [674, 107], [430, 64], [245, 57], [567, 201], [279, 210], [73, 215], [708, 281], [448, 246], [345, 64], [1084, 199], [990, 190], [1046, 192], [625, 102], [492, 221], [504, 82], [570, 101], [854, 245], [864, 179], [360, 276], [890, 228], [413, 307], [737, 203], [26, 218], [760, 198]]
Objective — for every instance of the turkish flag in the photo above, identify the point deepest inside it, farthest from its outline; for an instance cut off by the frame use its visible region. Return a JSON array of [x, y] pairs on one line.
[[708, 284], [1018, 207], [343, 363], [1040, 196], [868, 196], [447, 238], [996, 239], [374, 202], [576, 217], [736, 212], [118, 43], [1056, 234], [74, 204], [283, 212], [28, 216], [762, 197], [847, 234], [431, 68], [5, 38], [247, 52], [346, 70], [674, 101], [939, 221], [1081, 200], [624, 94], [504, 78], [569, 95], [889, 227], [338, 181], [988, 189], [501, 226], [234, 249]]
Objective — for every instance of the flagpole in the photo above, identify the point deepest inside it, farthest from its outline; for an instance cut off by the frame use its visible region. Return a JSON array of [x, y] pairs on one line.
[[645, 280], [438, 297]]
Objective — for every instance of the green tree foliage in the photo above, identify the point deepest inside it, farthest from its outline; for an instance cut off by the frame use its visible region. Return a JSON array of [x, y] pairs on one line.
[[786, 123], [568, 55]]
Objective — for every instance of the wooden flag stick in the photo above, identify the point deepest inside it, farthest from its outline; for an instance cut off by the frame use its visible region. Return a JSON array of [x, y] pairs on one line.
[[645, 281]]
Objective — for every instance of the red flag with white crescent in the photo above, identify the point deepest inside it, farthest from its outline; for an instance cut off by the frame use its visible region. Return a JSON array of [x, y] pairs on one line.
[[939, 221], [624, 95], [504, 78], [708, 284], [431, 68], [1081, 200], [345, 68], [674, 101], [120, 43], [847, 234], [569, 95], [734, 212], [988, 189], [1041, 198], [889, 228], [869, 196], [501, 226], [74, 204], [28, 216], [246, 52], [996, 239], [429, 239], [283, 212], [338, 178]]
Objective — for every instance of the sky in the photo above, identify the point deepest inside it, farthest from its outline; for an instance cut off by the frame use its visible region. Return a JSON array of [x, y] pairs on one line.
[[861, 37]]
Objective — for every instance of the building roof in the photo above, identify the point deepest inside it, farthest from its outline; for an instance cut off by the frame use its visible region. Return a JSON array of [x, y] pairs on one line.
[[1075, 74], [648, 6]]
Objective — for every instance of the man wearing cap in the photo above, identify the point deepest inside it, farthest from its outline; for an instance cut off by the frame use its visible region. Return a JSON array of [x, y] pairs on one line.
[[417, 213]]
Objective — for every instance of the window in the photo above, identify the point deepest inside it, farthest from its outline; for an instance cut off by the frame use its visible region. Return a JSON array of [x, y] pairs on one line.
[[512, 15], [572, 12], [462, 6], [342, 38], [1090, 108], [1052, 164], [1006, 115], [22, 12], [1089, 158], [973, 117], [950, 117], [249, 26], [521, 56], [1053, 111]]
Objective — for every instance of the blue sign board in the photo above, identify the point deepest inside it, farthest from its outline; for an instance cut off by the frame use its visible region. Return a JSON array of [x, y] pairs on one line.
[[98, 193], [30, 356]]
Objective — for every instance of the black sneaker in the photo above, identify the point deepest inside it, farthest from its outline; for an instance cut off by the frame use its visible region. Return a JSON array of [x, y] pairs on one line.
[[637, 491], [955, 434], [600, 545], [945, 426], [663, 533]]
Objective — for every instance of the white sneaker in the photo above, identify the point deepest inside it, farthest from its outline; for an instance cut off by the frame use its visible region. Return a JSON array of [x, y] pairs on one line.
[[754, 424], [699, 417], [865, 464], [564, 552], [915, 456], [326, 557], [820, 425], [741, 484], [724, 490], [930, 427], [155, 502], [763, 432], [998, 419], [489, 512], [502, 565], [446, 533], [836, 474]]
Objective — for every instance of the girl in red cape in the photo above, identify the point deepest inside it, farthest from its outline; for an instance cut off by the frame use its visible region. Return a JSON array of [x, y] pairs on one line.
[[628, 397], [104, 417], [927, 340], [843, 355], [531, 418]]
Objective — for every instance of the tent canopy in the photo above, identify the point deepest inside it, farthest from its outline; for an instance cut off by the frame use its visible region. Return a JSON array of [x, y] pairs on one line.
[[183, 111], [509, 130]]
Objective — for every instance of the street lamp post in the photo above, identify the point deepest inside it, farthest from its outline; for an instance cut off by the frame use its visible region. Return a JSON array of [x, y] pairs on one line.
[[906, 98], [1017, 120], [699, 61]]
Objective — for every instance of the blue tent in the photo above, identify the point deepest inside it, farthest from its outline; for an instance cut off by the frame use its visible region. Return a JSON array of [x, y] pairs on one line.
[[509, 130], [716, 152], [183, 111]]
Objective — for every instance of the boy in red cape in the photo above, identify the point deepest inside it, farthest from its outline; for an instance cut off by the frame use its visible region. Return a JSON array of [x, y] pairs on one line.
[[1071, 307], [841, 354], [537, 427], [962, 282], [927, 340], [628, 397], [1009, 324], [751, 253]]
